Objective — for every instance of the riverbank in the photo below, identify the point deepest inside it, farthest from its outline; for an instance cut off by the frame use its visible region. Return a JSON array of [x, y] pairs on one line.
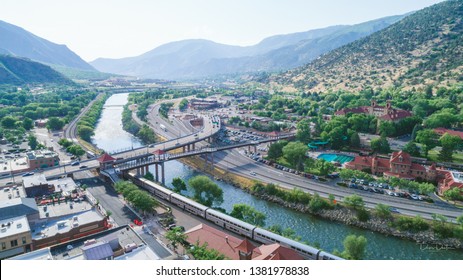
[[340, 213]]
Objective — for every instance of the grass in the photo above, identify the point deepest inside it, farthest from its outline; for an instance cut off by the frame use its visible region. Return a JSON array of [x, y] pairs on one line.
[[457, 156]]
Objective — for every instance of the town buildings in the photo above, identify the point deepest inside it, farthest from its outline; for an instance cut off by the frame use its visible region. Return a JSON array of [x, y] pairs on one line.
[[383, 113]]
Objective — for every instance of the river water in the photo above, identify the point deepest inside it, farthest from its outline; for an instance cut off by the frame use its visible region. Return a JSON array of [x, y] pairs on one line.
[[110, 136]]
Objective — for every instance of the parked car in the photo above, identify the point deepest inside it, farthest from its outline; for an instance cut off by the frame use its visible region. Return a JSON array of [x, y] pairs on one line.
[[83, 166], [28, 174], [75, 163]]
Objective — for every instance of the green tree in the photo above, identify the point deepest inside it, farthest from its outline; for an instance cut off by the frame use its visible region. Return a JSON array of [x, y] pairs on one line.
[[294, 153], [55, 123], [205, 190], [415, 130], [325, 167], [448, 143], [412, 149], [146, 134], [317, 204], [303, 131], [460, 220], [179, 185], [32, 142], [383, 211], [355, 140], [85, 132], [453, 194], [149, 176], [202, 252], [275, 150], [65, 142], [380, 145], [428, 138], [386, 129], [248, 214], [76, 150], [9, 122], [28, 124], [354, 247], [176, 236], [354, 201]]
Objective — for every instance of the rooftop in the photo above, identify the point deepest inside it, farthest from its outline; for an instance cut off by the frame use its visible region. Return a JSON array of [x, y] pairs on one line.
[[7, 193], [34, 180], [126, 244], [15, 165], [38, 255], [65, 185], [64, 208], [64, 224], [41, 154], [16, 207], [14, 226]]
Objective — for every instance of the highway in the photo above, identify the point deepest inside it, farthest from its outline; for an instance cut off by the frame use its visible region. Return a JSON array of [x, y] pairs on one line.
[[235, 162]]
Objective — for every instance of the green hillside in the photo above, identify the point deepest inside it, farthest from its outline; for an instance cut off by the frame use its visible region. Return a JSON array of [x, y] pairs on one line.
[[425, 48]]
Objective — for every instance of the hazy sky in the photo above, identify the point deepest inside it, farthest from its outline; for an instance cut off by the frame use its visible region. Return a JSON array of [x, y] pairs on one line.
[[122, 28]]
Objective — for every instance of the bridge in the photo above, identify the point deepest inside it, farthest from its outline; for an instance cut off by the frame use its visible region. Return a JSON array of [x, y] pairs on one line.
[[143, 161]]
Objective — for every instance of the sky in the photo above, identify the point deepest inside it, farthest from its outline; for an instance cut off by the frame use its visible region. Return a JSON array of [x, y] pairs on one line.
[[124, 28]]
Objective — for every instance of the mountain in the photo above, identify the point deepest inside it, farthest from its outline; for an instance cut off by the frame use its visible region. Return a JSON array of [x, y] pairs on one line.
[[422, 49], [199, 58], [17, 71], [19, 42]]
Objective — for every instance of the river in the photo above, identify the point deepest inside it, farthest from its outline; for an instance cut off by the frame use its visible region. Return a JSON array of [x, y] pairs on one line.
[[110, 136]]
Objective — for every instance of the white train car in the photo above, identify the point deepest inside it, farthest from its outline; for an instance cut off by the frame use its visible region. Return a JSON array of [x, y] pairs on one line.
[[188, 205], [267, 237], [157, 190], [327, 256], [230, 223]]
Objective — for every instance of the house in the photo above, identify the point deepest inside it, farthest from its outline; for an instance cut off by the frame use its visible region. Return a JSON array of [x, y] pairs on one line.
[[238, 249], [399, 165], [451, 180], [441, 131], [383, 113]]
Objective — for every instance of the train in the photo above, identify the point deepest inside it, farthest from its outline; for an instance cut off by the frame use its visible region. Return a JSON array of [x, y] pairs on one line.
[[232, 224]]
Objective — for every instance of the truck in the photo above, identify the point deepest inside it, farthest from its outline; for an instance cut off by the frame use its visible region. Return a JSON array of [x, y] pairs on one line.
[[163, 127]]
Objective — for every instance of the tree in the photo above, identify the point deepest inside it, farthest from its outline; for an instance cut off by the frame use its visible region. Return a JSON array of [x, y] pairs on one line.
[[412, 149], [354, 247], [386, 129], [201, 252], [354, 201], [28, 124], [460, 220], [146, 134], [176, 236], [76, 150], [325, 167], [248, 214], [294, 153], [448, 143], [415, 130], [275, 150], [55, 123], [183, 104], [65, 142], [355, 140], [453, 194], [85, 132], [303, 131], [149, 176], [32, 142], [9, 122], [179, 185], [383, 211], [205, 190], [428, 138], [380, 145]]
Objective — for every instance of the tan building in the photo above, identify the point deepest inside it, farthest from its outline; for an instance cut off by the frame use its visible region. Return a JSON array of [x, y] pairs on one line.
[[15, 237], [383, 113]]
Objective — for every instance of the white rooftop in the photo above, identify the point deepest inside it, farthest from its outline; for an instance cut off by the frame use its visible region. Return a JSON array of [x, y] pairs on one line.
[[14, 226], [38, 255], [51, 228], [140, 253], [66, 185], [63, 209], [7, 193], [34, 180]]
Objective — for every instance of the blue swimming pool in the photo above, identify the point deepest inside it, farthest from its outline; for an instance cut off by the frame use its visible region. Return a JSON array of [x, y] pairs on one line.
[[336, 157]]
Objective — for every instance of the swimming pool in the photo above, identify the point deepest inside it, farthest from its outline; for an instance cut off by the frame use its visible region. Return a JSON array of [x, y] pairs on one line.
[[336, 157]]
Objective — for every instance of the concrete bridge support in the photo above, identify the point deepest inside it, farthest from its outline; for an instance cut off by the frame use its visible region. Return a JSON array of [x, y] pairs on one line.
[[163, 178], [156, 176]]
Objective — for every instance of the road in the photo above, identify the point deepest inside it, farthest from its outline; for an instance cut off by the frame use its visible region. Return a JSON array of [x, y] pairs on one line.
[[235, 162]]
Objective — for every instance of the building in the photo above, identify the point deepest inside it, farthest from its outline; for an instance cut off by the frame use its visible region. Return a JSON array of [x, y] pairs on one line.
[[203, 104], [17, 207], [238, 249], [121, 243], [15, 237], [399, 165], [451, 180], [42, 159], [441, 131], [37, 185], [383, 113]]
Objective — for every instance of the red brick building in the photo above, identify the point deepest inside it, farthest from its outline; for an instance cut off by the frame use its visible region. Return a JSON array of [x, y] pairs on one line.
[[441, 131], [383, 113], [450, 181], [398, 165]]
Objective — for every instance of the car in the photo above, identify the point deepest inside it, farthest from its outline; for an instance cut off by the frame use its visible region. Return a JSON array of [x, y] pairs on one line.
[[75, 163], [83, 166], [394, 210], [28, 174], [253, 173]]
